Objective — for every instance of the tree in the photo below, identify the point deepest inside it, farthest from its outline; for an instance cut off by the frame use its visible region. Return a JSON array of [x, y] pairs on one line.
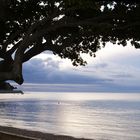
[[65, 27]]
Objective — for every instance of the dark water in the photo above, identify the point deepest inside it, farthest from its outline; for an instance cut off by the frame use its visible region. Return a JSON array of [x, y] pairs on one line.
[[90, 115]]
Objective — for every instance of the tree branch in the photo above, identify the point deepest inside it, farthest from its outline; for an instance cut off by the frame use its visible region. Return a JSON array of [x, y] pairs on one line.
[[33, 52], [11, 38]]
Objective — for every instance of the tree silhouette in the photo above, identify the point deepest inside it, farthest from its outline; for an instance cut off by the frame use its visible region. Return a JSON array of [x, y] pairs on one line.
[[65, 27]]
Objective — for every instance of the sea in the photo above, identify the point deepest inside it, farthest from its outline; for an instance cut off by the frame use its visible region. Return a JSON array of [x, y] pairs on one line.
[[93, 115]]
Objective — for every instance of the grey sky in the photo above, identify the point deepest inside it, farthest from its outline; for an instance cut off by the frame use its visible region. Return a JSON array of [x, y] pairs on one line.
[[114, 68]]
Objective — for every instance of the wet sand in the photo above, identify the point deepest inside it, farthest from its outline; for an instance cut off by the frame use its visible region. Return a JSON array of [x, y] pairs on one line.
[[10, 133]]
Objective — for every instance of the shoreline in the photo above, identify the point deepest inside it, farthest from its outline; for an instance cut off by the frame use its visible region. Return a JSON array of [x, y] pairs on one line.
[[11, 133]]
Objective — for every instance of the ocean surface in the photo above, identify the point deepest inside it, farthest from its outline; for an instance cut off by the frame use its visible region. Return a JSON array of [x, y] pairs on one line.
[[99, 116]]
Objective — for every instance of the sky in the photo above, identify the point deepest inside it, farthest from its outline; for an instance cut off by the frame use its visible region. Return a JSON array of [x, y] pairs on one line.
[[115, 68]]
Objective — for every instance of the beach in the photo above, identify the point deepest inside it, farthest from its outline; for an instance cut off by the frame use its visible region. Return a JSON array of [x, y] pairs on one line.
[[11, 133]]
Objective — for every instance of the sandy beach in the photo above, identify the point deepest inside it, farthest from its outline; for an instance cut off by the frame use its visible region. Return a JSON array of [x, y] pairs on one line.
[[10, 133]]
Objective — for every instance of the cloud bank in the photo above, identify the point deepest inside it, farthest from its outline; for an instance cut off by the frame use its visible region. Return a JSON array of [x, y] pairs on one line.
[[114, 69]]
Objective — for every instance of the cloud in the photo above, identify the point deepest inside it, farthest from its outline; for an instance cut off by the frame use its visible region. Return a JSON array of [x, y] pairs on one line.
[[49, 71], [122, 75], [114, 69]]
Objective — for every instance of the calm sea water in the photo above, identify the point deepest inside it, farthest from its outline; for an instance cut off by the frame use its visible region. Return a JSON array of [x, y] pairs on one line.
[[99, 116]]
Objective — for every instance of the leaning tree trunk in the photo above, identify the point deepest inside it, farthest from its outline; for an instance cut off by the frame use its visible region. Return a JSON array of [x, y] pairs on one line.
[[12, 70], [6, 67]]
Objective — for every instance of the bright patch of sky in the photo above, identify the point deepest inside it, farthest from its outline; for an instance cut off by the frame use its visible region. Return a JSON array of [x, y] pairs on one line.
[[113, 67]]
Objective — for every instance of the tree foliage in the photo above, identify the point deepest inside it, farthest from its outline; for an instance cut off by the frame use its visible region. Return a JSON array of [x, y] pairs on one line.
[[65, 27]]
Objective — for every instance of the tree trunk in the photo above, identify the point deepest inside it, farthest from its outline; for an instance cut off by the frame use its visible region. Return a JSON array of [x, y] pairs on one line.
[[6, 70], [10, 70], [6, 74]]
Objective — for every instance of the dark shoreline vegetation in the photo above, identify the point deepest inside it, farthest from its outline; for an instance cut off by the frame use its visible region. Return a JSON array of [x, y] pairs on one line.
[[6, 86], [11, 133]]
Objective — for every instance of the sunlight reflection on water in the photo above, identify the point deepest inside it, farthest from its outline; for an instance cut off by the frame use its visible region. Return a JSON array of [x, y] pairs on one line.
[[72, 96], [110, 116]]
